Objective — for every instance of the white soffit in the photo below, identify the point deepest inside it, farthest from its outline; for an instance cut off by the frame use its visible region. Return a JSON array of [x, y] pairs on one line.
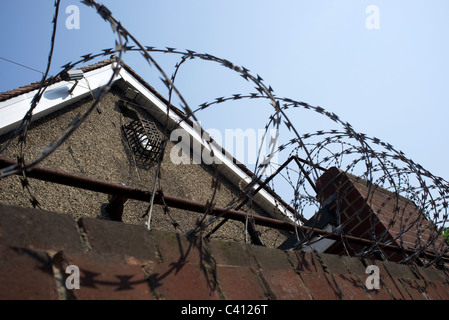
[[55, 97]]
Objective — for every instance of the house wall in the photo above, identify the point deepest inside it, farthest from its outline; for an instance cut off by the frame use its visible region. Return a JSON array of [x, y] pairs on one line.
[[99, 149]]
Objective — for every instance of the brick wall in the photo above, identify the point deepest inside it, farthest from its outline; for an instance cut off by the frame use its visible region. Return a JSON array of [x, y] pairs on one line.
[[124, 261], [373, 212]]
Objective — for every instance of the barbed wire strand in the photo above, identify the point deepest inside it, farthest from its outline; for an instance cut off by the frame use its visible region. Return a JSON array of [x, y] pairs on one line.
[[374, 163]]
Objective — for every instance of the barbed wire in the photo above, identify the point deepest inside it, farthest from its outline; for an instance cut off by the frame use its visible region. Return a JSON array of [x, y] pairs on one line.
[[414, 205]]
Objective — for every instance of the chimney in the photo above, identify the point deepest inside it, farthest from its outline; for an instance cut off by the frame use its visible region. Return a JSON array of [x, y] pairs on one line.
[[368, 211]]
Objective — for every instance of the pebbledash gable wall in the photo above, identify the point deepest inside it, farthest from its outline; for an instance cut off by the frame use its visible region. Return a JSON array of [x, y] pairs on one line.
[[124, 261], [99, 150]]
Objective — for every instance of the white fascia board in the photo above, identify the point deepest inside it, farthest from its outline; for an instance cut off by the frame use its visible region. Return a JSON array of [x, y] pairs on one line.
[[54, 98], [225, 165], [155, 101]]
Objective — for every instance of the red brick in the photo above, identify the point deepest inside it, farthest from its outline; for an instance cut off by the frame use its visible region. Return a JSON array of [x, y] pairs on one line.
[[394, 287], [351, 287], [107, 277], [231, 253], [413, 289], [286, 285], [112, 237], [429, 289], [270, 258], [321, 286], [26, 274], [305, 261], [327, 176], [241, 283], [326, 181], [176, 248], [384, 209], [347, 195], [380, 294], [355, 266], [348, 212], [393, 255], [353, 198], [442, 290], [410, 239], [397, 270], [33, 228], [172, 281], [332, 263], [430, 274], [367, 227], [351, 223], [362, 187], [351, 206]]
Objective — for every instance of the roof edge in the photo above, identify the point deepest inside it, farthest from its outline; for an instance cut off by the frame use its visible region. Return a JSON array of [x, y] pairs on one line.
[[4, 96]]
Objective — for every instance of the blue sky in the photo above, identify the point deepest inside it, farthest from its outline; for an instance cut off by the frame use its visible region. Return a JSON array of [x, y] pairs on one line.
[[389, 83]]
